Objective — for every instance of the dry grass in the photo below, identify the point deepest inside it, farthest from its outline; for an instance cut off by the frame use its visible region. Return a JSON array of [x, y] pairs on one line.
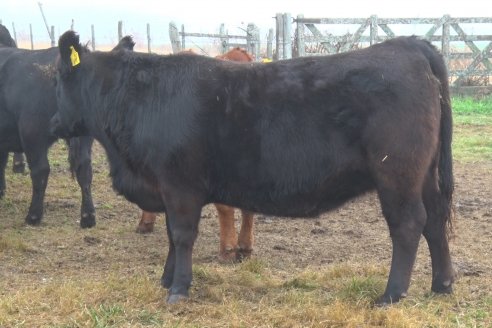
[[236, 297]]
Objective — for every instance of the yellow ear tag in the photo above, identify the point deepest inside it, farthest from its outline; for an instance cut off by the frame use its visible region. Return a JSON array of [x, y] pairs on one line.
[[74, 56]]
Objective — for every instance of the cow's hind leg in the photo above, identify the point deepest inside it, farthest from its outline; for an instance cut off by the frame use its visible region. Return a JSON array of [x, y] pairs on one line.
[[438, 213], [3, 163], [406, 217], [228, 235], [80, 150], [182, 217], [246, 235], [18, 166]]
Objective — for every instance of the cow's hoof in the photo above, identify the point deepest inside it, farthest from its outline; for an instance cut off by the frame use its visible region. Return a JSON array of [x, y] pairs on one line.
[[19, 168], [33, 220], [144, 228], [444, 287], [243, 254], [228, 255], [176, 298], [386, 300], [87, 220]]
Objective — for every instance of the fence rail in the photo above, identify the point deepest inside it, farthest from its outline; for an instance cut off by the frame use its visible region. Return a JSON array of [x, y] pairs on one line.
[[469, 65], [249, 41]]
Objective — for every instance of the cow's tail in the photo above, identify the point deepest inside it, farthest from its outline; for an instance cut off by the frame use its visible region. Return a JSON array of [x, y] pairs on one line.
[[73, 154], [445, 164]]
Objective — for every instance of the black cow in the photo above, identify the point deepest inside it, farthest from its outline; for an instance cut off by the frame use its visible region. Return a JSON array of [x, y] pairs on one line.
[[7, 41], [27, 102], [291, 138]]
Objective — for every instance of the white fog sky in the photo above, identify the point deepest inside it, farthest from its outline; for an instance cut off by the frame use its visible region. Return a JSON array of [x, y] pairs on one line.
[[205, 16]]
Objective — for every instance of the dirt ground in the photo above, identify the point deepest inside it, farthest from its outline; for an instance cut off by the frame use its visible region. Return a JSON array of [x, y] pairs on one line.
[[355, 232]]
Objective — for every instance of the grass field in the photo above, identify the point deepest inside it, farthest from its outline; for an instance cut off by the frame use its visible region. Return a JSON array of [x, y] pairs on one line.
[[473, 129], [58, 275]]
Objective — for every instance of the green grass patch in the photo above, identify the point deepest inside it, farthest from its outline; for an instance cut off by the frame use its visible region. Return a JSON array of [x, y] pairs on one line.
[[472, 139], [469, 105], [106, 315]]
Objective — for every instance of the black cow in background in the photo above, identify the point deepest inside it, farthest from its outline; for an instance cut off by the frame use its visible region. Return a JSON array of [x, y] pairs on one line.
[[27, 102], [18, 165], [290, 138]]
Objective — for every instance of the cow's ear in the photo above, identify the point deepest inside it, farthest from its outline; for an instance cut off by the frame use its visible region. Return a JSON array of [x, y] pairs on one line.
[[126, 43], [70, 50]]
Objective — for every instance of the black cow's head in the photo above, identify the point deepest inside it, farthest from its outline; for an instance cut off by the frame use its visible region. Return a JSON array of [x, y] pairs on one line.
[[69, 120], [72, 117]]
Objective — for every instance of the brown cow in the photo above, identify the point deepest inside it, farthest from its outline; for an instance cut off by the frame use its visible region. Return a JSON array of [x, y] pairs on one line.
[[236, 54], [231, 247]]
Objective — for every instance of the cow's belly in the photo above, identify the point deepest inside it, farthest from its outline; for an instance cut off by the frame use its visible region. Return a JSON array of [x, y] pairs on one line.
[[306, 201]]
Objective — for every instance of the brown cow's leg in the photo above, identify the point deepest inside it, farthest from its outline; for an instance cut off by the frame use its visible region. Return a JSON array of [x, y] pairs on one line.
[[146, 223], [246, 235], [228, 235]]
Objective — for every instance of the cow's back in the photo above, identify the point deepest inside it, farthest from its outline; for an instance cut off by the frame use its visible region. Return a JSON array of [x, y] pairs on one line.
[[25, 72], [317, 127]]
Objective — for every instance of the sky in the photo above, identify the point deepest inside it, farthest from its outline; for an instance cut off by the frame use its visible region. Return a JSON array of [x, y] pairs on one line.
[[205, 16]]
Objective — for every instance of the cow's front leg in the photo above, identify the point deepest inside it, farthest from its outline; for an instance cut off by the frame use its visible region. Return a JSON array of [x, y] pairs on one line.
[[167, 276], [183, 217], [40, 170], [80, 150]]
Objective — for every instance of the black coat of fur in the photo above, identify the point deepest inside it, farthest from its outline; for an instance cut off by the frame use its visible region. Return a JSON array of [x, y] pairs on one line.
[[290, 138]]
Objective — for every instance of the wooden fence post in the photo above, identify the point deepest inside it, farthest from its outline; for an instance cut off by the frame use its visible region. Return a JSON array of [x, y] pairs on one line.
[[374, 30], [445, 40], [287, 36], [120, 30], [279, 44], [30, 36], [93, 38], [148, 38], [174, 37], [253, 40], [53, 42], [301, 48], [224, 40], [270, 44], [72, 25], [183, 37]]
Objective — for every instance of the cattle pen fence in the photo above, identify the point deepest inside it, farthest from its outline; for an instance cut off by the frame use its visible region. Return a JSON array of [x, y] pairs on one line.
[[466, 42], [250, 40]]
